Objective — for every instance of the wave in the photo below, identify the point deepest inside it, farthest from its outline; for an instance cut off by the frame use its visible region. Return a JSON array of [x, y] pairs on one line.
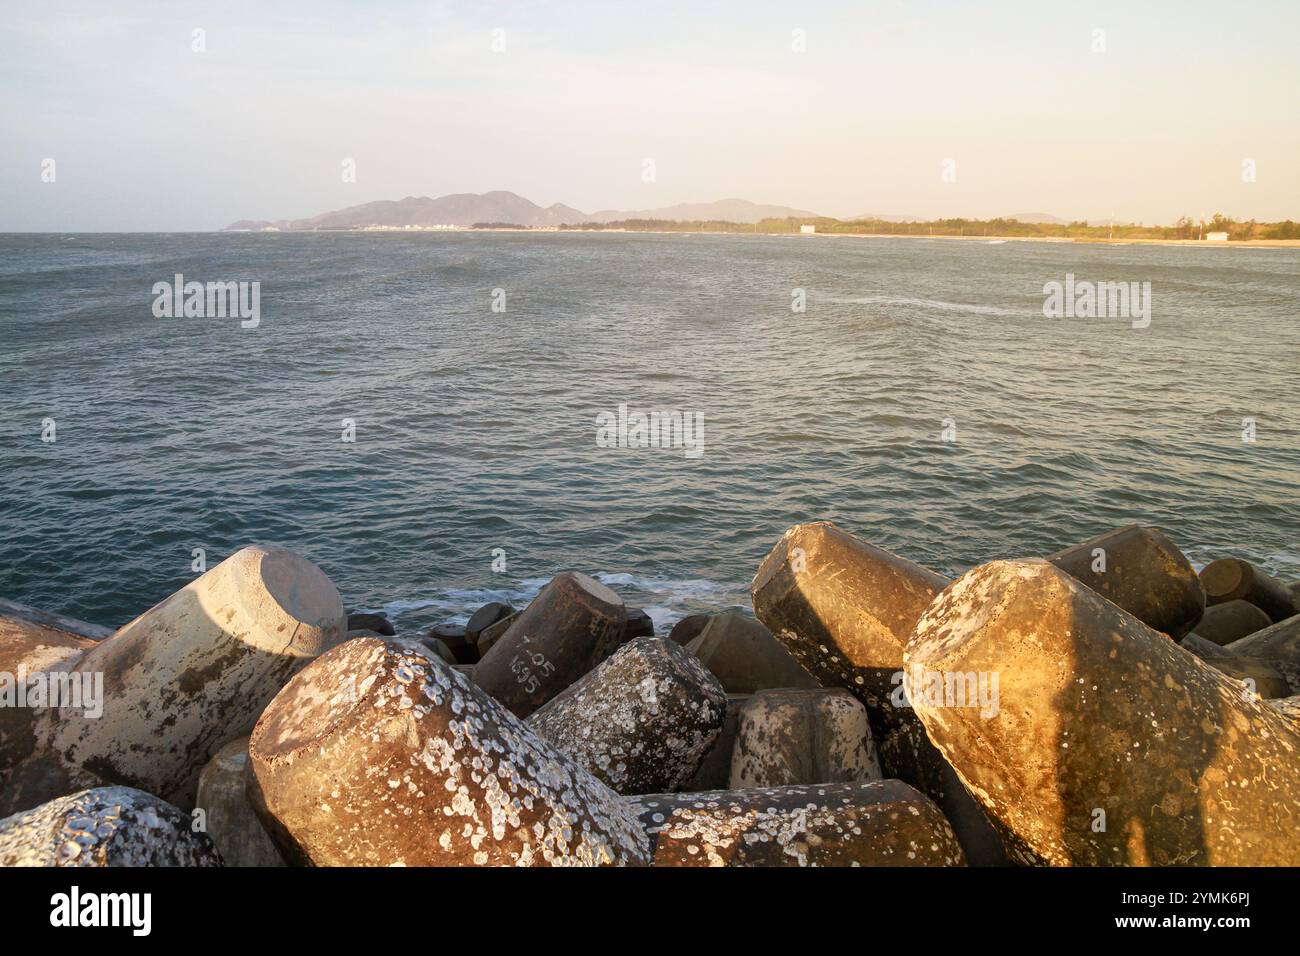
[[666, 600], [936, 304]]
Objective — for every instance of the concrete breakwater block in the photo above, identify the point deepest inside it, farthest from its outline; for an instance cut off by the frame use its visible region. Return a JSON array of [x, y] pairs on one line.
[[1278, 645], [787, 737], [746, 657], [379, 754], [364, 621], [106, 826], [484, 618], [715, 767], [1205, 650], [570, 627], [454, 637], [1258, 675], [637, 624], [642, 721], [883, 823], [185, 677], [688, 628], [20, 613], [492, 633], [1143, 572], [228, 817], [1232, 579], [1109, 745], [1231, 621], [1288, 707], [28, 648], [907, 754], [845, 609]]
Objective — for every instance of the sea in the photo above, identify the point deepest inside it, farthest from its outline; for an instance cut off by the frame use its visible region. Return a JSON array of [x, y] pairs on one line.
[[442, 419]]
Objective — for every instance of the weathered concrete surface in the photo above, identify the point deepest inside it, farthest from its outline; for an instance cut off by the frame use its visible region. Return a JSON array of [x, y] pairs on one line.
[[1100, 714], [688, 628], [642, 721], [485, 617], [1231, 621], [491, 634], [788, 737], [455, 637], [30, 648], [883, 823], [379, 754], [365, 621], [637, 624], [715, 767], [1231, 579], [440, 649], [228, 816], [746, 657], [1288, 707], [1262, 677], [21, 613], [1256, 676], [570, 627], [187, 676], [1205, 650], [1141, 571], [107, 826], [845, 609], [907, 754], [1279, 645]]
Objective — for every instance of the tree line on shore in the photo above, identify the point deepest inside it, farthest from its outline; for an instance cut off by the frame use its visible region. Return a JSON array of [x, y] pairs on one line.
[[1184, 228]]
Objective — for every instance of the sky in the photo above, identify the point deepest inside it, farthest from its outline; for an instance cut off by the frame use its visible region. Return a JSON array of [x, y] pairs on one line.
[[1142, 111]]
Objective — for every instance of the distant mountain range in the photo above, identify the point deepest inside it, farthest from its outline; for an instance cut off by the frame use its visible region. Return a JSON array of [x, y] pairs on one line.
[[502, 207], [466, 209]]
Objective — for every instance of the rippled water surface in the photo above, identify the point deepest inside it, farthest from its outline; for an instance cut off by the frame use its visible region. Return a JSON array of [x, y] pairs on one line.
[[476, 430]]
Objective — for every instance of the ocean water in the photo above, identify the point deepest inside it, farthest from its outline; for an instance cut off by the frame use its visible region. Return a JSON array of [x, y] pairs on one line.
[[475, 430]]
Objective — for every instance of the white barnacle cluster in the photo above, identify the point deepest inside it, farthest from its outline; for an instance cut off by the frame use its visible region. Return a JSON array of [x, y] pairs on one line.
[[95, 827], [505, 797], [642, 721]]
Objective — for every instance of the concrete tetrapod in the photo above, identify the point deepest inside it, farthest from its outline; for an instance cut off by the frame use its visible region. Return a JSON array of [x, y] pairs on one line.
[[570, 627], [745, 657], [1288, 707], [228, 816], [106, 826], [642, 721], [788, 737], [882, 823], [31, 653], [715, 767], [1143, 572], [1278, 645], [846, 609], [1232, 579], [187, 676], [380, 754], [1109, 744], [1231, 621]]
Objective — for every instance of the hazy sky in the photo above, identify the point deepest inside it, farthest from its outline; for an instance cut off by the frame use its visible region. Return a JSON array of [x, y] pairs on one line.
[[148, 134]]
